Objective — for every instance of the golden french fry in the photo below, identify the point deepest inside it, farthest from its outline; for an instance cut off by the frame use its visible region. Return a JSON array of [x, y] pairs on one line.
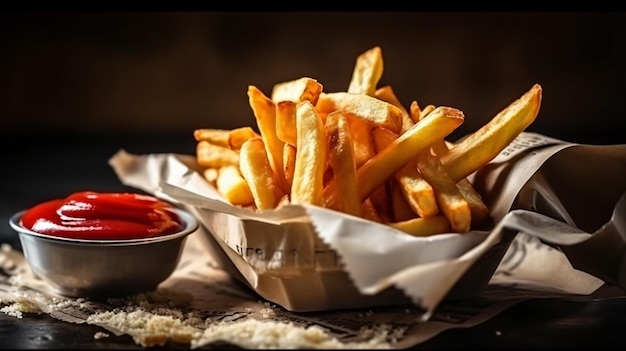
[[265, 113], [256, 170], [368, 211], [417, 191], [308, 174], [406, 147], [478, 209], [342, 162], [363, 106], [286, 122], [286, 95], [381, 200], [215, 156], [387, 94], [400, 208], [449, 198], [367, 72], [424, 226], [298, 90], [328, 175], [231, 184], [381, 138], [213, 136], [289, 162], [416, 113], [237, 136], [439, 147], [362, 145], [480, 147], [210, 174]]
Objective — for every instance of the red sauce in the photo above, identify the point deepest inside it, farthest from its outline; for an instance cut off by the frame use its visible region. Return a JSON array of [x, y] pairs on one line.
[[92, 215]]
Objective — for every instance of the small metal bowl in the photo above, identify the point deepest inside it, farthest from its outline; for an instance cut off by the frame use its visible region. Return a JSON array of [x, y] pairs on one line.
[[103, 268]]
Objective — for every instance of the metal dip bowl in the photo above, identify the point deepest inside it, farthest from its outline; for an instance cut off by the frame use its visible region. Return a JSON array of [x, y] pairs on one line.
[[103, 268]]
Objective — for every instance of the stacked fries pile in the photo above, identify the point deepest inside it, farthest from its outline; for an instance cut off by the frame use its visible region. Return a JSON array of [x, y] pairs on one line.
[[360, 152]]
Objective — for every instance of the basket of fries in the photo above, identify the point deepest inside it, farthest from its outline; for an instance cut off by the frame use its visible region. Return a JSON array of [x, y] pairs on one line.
[[327, 192]]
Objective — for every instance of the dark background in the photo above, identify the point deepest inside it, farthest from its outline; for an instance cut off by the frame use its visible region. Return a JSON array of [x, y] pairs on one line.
[[77, 87], [171, 72]]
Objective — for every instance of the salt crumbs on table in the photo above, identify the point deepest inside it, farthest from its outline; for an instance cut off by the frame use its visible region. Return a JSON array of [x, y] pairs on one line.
[[100, 335], [18, 307]]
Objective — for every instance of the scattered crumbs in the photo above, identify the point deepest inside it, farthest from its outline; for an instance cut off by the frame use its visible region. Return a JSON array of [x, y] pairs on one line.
[[162, 316], [58, 304], [157, 318], [267, 304], [266, 334], [162, 297], [100, 335], [150, 329], [397, 334], [382, 331], [152, 318], [498, 333], [18, 280], [18, 307], [267, 312]]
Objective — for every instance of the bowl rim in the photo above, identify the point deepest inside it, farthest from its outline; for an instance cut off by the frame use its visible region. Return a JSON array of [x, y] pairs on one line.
[[190, 222]]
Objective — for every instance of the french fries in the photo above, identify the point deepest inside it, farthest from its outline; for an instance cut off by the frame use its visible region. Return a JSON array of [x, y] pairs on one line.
[[367, 72], [286, 122], [308, 174], [449, 198], [214, 156], [437, 125], [475, 151], [369, 108], [360, 152], [233, 186], [387, 94], [237, 136], [418, 193], [265, 113], [342, 163], [297, 90], [256, 170]]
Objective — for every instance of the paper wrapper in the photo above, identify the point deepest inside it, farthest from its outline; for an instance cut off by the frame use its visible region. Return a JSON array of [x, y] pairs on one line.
[[569, 197]]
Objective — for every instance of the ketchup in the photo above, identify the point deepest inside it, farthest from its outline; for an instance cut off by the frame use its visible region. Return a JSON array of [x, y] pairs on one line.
[[102, 216]]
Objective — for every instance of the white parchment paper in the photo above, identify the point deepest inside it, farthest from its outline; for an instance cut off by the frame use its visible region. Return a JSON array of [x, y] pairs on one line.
[[299, 245]]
